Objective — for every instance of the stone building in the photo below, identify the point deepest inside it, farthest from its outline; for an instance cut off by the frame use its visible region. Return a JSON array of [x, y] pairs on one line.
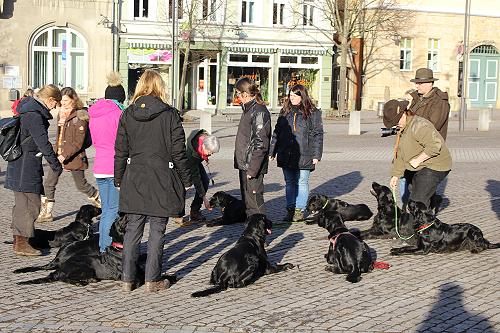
[[65, 42]]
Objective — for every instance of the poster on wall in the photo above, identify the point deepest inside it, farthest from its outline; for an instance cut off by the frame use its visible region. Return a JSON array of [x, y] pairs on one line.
[[149, 56], [11, 70], [10, 82]]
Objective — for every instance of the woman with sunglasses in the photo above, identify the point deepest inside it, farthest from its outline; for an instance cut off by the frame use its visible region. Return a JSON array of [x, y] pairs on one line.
[[297, 145]]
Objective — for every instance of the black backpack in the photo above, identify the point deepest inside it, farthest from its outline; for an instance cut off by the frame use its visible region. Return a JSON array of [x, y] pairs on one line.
[[87, 142], [10, 144]]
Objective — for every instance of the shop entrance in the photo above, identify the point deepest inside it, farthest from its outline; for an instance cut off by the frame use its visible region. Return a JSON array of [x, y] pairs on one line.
[[483, 76]]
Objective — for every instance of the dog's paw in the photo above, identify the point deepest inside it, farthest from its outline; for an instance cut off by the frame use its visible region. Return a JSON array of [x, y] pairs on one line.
[[394, 252], [288, 266]]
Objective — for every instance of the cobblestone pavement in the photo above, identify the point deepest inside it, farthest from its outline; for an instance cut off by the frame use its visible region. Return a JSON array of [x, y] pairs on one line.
[[435, 293]]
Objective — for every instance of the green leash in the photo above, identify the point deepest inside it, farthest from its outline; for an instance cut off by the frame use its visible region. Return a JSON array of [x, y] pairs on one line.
[[396, 216]]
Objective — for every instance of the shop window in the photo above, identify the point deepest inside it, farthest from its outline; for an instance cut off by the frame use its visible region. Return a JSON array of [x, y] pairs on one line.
[[309, 60], [238, 57], [288, 77], [141, 8], [260, 58], [59, 56], [433, 54], [405, 54], [260, 75], [278, 12], [247, 11], [308, 14], [288, 59]]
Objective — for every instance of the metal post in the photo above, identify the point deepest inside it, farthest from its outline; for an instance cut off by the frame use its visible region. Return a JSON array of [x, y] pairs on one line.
[[174, 51], [465, 74]]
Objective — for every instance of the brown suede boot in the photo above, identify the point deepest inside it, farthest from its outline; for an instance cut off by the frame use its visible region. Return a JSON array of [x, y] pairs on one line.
[[196, 216], [154, 286], [22, 247]]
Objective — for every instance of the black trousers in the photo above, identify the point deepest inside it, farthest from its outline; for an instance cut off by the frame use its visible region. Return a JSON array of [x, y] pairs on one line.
[[252, 193], [132, 240], [198, 200], [424, 184]]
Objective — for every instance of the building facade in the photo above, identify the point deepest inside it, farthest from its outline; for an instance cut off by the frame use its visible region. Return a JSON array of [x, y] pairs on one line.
[[54, 41], [433, 38], [275, 42]]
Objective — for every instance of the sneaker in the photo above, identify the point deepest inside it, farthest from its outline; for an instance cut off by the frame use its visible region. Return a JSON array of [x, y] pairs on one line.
[[290, 212], [154, 286], [127, 287], [298, 215], [182, 221]]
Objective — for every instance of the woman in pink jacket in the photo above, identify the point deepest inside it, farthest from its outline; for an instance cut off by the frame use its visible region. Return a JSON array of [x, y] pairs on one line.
[[103, 124]]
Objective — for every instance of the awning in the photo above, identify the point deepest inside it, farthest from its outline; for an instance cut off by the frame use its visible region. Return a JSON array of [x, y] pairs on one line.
[[252, 49], [149, 45], [313, 52], [268, 50]]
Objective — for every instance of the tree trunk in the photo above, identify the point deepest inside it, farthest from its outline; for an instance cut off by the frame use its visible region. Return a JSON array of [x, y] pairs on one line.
[[343, 75], [182, 84]]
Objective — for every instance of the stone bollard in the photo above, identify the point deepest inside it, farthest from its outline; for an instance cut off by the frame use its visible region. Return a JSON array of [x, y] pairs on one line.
[[355, 123], [206, 121], [484, 120]]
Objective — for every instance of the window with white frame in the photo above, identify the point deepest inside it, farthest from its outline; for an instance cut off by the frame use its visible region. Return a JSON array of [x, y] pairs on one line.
[[180, 9], [141, 8], [247, 11], [278, 12], [405, 54], [433, 54], [308, 13], [59, 56], [208, 10]]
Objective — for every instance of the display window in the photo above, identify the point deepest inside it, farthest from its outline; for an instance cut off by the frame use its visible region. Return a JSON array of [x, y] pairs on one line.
[[288, 77]]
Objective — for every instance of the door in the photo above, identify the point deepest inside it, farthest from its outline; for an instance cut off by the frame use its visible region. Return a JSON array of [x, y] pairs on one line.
[[483, 76]]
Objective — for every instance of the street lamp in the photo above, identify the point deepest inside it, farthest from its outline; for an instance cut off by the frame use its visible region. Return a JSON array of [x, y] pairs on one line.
[[463, 99]]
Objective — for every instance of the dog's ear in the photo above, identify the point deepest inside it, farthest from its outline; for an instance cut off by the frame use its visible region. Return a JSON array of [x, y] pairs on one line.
[[86, 213]]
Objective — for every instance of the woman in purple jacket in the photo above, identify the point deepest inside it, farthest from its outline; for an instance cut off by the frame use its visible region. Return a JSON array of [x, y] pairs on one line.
[[103, 124]]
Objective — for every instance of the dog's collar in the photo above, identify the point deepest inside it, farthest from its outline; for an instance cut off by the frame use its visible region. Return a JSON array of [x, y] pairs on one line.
[[326, 204], [88, 233], [333, 240], [117, 245], [425, 227]]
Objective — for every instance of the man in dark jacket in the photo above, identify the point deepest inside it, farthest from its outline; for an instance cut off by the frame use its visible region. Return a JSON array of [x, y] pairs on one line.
[[252, 146], [25, 174]]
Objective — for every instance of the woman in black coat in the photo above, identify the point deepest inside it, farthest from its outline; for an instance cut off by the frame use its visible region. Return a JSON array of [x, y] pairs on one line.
[[297, 144], [152, 173], [24, 175]]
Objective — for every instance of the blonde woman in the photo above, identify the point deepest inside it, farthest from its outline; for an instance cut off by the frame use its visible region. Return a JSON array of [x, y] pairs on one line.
[[72, 123], [24, 175], [152, 173]]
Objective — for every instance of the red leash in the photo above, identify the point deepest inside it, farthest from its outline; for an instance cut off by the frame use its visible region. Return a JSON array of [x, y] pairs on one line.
[[381, 265]]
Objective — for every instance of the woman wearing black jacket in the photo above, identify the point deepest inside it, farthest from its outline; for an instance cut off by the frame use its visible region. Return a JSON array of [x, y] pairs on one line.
[[24, 175], [297, 144], [152, 173]]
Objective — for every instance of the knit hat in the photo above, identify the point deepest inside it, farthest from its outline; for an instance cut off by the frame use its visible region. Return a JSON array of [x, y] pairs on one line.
[[393, 111], [115, 92]]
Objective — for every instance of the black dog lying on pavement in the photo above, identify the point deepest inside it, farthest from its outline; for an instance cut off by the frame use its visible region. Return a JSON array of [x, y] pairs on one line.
[[81, 263], [320, 202], [246, 261], [439, 237], [233, 209], [75, 231]]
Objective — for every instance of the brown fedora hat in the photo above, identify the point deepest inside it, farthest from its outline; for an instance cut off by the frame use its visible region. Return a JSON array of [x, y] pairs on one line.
[[424, 75], [393, 111]]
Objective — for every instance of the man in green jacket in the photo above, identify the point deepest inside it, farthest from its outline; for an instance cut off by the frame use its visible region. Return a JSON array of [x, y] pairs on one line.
[[200, 145]]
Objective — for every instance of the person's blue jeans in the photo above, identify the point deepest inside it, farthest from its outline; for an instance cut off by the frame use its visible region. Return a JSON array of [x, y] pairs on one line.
[[404, 191], [109, 201], [296, 188]]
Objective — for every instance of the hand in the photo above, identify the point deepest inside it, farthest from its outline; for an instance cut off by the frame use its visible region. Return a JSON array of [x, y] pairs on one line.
[[249, 177], [315, 161], [206, 203], [414, 163], [60, 158], [187, 188], [271, 158], [394, 182]]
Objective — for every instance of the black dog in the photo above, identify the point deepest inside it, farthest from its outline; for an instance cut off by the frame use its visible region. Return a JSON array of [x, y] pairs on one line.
[[81, 263], [319, 202], [233, 209], [346, 253], [75, 231], [246, 261], [439, 237]]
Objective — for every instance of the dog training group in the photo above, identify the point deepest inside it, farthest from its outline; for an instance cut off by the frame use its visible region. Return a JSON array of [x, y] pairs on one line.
[[79, 261]]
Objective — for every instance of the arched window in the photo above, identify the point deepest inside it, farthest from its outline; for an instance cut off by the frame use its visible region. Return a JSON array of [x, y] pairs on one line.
[[59, 56]]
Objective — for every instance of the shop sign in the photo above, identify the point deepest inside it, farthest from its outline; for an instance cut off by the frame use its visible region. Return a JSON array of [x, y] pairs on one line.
[[10, 82], [149, 56]]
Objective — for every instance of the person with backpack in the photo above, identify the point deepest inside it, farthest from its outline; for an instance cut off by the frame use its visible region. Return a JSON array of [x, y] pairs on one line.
[[104, 118], [72, 127], [24, 174]]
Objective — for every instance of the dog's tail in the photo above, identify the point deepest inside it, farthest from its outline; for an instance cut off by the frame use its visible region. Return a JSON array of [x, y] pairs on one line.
[[47, 267], [49, 278], [203, 293], [494, 246], [354, 276]]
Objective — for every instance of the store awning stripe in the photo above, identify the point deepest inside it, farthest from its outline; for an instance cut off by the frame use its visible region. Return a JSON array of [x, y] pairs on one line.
[[303, 52], [146, 45], [247, 49]]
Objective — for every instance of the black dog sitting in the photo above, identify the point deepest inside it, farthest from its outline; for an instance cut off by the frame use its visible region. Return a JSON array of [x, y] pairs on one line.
[[75, 231], [439, 237], [81, 263], [247, 261], [233, 209], [346, 253], [319, 202]]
